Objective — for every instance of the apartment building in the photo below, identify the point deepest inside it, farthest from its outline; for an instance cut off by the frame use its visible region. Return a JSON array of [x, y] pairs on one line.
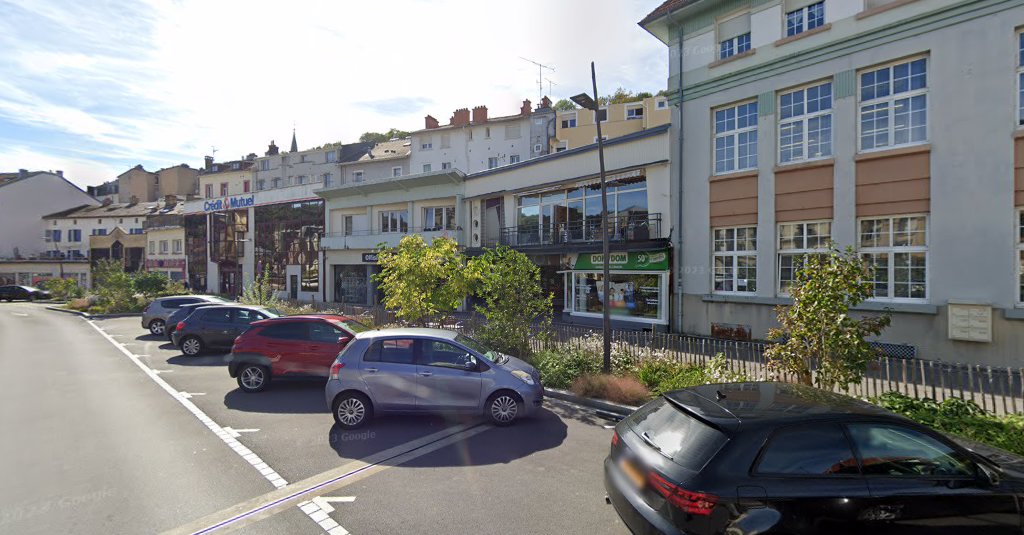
[[165, 240], [219, 180], [387, 159], [577, 128], [27, 196], [892, 127], [147, 186], [474, 141]]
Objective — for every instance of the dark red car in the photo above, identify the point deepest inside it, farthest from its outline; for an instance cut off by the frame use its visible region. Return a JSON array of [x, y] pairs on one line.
[[291, 346]]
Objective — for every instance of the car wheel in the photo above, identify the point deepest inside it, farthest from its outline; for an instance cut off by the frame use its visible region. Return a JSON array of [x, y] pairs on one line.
[[191, 346], [157, 327], [503, 407], [352, 410], [253, 378]]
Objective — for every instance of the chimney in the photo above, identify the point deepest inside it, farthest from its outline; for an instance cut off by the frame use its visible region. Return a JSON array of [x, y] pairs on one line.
[[545, 103], [207, 162], [525, 110], [431, 122], [60, 173], [272, 150], [480, 114], [250, 157], [170, 200], [22, 173], [133, 200], [107, 201], [460, 117]]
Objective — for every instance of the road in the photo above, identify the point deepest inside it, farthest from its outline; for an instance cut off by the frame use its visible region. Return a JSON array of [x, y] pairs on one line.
[[111, 430]]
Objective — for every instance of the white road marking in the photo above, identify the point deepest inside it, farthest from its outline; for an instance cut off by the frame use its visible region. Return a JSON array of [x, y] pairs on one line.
[[238, 432], [269, 473], [22, 314], [188, 395], [325, 502], [154, 370]]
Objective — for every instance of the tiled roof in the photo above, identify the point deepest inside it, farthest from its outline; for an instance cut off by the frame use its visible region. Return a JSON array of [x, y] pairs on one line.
[[141, 209], [10, 178], [387, 150], [667, 7]]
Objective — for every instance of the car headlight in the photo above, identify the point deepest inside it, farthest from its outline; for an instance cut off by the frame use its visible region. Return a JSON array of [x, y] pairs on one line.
[[524, 376]]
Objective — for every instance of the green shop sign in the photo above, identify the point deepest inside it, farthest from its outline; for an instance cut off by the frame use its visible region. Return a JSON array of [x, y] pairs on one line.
[[625, 261]]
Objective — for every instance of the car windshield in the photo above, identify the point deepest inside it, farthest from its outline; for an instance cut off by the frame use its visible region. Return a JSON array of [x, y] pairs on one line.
[[220, 299], [352, 326], [490, 354]]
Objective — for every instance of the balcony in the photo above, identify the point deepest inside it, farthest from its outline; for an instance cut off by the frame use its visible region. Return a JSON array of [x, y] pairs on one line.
[[370, 239], [632, 228]]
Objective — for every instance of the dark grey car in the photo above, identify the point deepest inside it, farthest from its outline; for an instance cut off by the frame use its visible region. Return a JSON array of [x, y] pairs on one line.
[[216, 327], [427, 370], [155, 316]]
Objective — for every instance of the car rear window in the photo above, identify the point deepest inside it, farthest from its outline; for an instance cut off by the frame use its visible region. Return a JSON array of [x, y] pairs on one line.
[[352, 326], [808, 450], [689, 442]]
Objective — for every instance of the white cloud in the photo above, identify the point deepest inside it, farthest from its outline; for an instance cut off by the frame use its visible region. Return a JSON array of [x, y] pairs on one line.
[[160, 83]]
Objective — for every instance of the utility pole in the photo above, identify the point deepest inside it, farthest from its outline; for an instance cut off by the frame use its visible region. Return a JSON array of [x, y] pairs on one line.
[[540, 76]]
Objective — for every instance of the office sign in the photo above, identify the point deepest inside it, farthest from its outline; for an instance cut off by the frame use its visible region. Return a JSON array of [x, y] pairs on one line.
[[370, 258], [230, 203], [627, 261]]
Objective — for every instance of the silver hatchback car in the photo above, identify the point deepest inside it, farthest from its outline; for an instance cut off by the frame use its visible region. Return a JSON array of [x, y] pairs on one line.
[[428, 370]]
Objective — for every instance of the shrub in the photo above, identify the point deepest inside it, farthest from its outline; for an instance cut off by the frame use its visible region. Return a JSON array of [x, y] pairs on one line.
[[662, 375], [150, 283], [960, 417], [558, 369], [114, 289], [260, 292], [63, 289], [616, 388]]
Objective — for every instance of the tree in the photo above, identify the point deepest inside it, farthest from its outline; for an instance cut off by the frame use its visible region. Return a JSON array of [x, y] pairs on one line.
[[564, 105], [423, 282], [260, 292], [150, 283], [115, 290], [818, 334], [63, 289], [377, 137], [515, 305]]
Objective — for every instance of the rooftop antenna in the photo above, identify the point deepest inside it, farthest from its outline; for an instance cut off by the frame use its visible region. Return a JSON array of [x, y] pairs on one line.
[[550, 83], [540, 76], [213, 152]]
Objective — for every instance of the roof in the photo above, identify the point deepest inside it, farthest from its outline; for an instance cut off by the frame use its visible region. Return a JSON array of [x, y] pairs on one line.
[[768, 403], [386, 150], [225, 167], [660, 129], [141, 209], [489, 120], [665, 8], [433, 178], [408, 331]]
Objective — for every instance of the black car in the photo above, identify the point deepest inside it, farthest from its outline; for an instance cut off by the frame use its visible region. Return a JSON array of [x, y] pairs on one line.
[[183, 312], [781, 458], [216, 327], [26, 293]]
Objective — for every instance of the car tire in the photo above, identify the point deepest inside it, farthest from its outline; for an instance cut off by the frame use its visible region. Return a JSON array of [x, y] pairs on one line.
[[253, 378], [157, 327], [191, 346], [503, 407], [352, 410]]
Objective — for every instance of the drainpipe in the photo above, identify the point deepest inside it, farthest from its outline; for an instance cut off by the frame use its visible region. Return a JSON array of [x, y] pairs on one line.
[[680, 266]]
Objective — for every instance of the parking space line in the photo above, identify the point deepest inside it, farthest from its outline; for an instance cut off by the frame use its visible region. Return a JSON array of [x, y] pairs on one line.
[[266, 471]]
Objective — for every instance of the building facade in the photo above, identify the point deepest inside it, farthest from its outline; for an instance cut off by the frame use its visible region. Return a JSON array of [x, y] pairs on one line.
[[165, 240], [796, 123], [25, 197], [577, 128]]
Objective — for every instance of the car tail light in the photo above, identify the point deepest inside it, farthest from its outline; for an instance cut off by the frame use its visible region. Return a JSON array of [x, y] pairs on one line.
[[179, 326], [615, 438], [697, 503], [336, 370]]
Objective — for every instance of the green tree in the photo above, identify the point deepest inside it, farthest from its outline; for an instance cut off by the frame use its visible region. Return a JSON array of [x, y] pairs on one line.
[[150, 283], [423, 282], [63, 289], [515, 305], [377, 137], [115, 290], [564, 105], [817, 331], [260, 292]]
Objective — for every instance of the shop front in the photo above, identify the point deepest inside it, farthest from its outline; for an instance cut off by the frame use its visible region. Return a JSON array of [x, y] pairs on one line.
[[638, 296], [351, 275]]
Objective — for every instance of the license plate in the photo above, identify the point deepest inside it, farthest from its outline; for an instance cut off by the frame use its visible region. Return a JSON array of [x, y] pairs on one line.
[[633, 474]]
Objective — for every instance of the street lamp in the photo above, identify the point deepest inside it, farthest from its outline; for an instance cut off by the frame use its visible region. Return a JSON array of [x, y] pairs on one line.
[[585, 101]]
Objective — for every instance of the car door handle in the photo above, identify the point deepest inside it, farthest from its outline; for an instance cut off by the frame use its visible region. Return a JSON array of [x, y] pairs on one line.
[[426, 374], [370, 370]]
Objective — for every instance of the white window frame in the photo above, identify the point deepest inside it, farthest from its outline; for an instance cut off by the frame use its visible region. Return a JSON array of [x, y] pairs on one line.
[[444, 217], [663, 295], [427, 146], [397, 220], [661, 104], [396, 172], [513, 159], [327, 179], [348, 222], [571, 122], [735, 41], [264, 165], [358, 176], [803, 19], [735, 134], [224, 191], [632, 108], [892, 250], [734, 254], [330, 156], [490, 160], [427, 167], [802, 251], [446, 165], [1020, 79], [1019, 257], [163, 247], [152, 247], [176, 246], [804, 120], [891, 101]]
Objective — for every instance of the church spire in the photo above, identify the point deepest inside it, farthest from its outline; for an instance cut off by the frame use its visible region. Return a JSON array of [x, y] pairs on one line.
[[295, 146]]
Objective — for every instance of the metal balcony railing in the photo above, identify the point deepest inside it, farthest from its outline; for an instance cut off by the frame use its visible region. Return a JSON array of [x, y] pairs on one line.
[[621, 228], [400, 231]]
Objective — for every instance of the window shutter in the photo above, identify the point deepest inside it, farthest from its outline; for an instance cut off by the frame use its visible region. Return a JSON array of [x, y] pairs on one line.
[[793, 5], [738, 25]]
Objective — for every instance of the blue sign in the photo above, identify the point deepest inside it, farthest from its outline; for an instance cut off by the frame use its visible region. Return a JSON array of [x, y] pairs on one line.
[[230, 203]]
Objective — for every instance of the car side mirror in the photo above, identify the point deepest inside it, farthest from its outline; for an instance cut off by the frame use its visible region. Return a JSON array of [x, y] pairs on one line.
[[470, 365], [343, 341], [988, 475]]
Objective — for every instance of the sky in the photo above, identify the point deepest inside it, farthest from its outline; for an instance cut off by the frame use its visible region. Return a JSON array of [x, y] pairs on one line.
[[95, 88]]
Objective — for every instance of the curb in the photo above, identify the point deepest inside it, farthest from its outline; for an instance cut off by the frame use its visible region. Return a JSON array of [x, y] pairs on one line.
[[95, 316], [615, 409]]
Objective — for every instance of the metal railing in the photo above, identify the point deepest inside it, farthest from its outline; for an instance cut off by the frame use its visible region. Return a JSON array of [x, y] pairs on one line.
[[400, 231], [621, 228]]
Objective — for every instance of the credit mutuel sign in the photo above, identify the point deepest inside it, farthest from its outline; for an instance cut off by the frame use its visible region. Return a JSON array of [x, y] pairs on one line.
[[230, 203]]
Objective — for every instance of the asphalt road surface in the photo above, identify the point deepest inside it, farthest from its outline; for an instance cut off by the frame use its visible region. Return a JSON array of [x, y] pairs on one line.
[[108, 429]]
